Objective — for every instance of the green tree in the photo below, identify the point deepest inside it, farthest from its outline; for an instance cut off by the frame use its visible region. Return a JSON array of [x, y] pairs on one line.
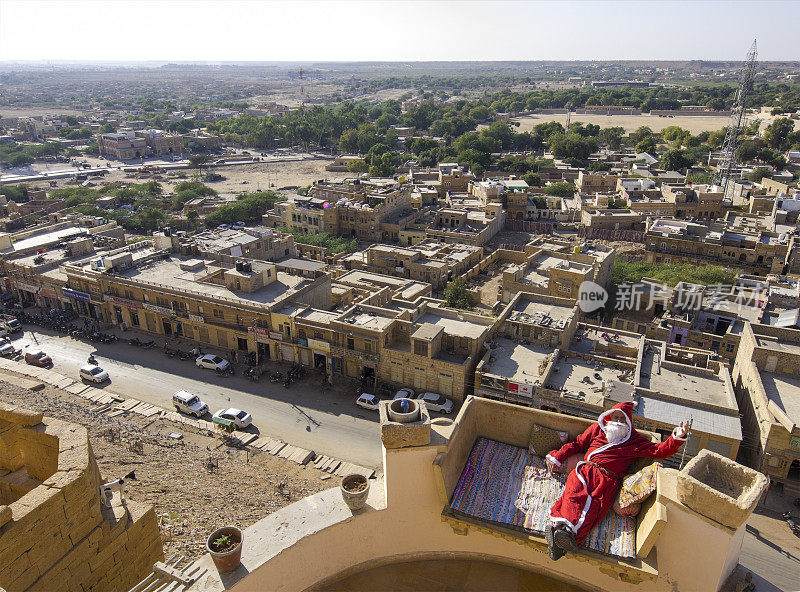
[[675, 160], [560, 189], [759, 173], [611, 137], [196, 161], [716, 139], [572, 146], [457, 295], [358, 166], [648, 145], [532, 179], [776, 134], [348, 142], [193, 217]]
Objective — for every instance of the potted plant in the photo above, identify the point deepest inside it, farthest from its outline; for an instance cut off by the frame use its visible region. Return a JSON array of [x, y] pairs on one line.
[[225, 547], [355, 489]]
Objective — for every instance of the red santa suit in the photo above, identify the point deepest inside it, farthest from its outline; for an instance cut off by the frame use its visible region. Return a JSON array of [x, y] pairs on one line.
[[590, 491]]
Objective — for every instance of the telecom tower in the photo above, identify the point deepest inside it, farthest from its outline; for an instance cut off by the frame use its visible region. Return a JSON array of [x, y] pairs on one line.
[[738, 122]]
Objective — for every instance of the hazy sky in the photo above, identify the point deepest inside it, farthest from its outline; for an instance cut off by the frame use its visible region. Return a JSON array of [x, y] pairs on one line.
[[400, 30]]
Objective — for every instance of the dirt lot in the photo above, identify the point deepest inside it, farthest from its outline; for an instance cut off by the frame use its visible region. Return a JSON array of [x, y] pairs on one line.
[[238, 178], [693, 123], [173, 475]]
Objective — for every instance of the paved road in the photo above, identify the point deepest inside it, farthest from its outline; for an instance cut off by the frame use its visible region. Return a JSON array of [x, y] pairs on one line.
[[328, 423]]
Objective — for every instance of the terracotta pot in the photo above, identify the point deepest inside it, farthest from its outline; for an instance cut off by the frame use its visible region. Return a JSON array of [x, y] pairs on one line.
[[354, 500], [396, 413], [228, 561]]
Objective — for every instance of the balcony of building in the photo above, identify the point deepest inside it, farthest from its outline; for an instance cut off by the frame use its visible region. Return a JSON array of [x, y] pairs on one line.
[[450, 492]]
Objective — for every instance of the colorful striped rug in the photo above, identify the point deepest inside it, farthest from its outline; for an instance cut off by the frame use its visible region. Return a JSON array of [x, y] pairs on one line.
[[497, 485]]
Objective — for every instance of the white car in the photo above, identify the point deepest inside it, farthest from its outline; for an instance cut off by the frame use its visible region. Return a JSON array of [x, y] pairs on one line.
[[186, 402], [213, 362], [93, 373], [404, 393], [368, 401], [436, 402], [240, 419]]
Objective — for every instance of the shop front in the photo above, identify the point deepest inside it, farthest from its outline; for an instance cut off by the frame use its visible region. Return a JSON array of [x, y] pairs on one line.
[[79, 300], [123, 307]]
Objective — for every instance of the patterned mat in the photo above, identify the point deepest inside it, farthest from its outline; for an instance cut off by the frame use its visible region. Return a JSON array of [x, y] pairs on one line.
[[503, 484]]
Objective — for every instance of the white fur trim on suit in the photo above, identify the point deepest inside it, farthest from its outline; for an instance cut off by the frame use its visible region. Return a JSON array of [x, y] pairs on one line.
[[553, 459], [575, 527]]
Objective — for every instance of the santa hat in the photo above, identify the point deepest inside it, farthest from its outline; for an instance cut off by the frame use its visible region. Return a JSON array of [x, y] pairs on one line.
[[626, 408]]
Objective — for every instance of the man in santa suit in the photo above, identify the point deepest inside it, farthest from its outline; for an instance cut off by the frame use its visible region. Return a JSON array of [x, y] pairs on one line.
[[610, 446]]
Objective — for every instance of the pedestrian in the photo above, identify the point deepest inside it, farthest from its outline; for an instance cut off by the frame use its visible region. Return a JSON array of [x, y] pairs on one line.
[[233, 355]]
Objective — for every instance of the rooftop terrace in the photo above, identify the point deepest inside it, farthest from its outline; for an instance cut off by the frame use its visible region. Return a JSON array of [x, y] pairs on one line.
[[168, 274]]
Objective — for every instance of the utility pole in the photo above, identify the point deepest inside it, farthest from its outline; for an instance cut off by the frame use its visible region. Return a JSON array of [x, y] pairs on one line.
[[737, 124]]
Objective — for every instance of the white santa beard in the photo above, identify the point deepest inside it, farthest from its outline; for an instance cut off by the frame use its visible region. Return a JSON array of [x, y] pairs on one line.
[[615, 431]]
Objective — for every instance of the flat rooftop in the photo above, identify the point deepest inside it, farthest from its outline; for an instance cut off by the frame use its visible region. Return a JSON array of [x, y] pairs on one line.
[[213, 240], [367, 320], [689, 383], [366, 279], [530, 311], [453, 326], [317, 316], [784, 391], [516, 361], [47, 238], [586, 340], [168, 274], [579, 376], [780, 346]]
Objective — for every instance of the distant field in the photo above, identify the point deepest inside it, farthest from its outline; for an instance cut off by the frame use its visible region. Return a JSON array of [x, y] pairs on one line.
[[9, 112], [695, 124]]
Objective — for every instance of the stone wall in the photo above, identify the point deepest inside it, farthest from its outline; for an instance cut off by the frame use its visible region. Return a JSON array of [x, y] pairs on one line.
[[57, 535]]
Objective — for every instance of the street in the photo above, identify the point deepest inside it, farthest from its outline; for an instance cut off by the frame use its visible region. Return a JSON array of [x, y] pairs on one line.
[[328, 423]]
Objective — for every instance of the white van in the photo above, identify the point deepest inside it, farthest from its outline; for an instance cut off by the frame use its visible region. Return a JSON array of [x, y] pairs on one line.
[[186, 402]]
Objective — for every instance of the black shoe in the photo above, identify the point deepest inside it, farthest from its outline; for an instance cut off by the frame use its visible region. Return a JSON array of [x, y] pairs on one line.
[[555, 553], [565, 540]]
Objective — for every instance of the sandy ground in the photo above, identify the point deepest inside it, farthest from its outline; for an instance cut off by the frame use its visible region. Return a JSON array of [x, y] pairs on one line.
[[238, 178], [249, 177], [174, 477], [694, 124]]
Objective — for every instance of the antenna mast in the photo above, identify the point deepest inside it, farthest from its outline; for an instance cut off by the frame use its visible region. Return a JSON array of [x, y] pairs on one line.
[[737, 124]]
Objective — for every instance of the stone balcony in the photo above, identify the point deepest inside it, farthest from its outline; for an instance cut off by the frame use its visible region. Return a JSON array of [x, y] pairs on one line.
[[317, 543]]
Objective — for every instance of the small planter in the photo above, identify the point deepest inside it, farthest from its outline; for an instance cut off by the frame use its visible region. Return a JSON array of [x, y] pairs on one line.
[[227, 558], [355, 489], [397, 414]]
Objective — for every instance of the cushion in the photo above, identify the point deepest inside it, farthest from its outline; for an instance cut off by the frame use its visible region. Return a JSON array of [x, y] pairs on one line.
[[630, 511], [638, 486], [544, 440]]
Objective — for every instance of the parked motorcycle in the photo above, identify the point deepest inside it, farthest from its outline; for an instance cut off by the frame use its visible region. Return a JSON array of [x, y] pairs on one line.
[[171, 352], [136, 342], [793, 526], [226, 372], [148, 344]]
